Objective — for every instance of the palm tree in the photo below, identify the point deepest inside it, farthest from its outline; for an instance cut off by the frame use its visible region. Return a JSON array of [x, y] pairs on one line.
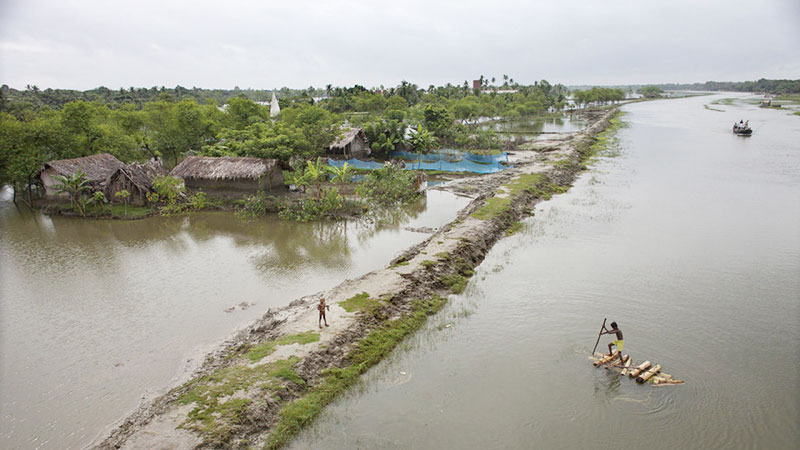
[[75, 186]]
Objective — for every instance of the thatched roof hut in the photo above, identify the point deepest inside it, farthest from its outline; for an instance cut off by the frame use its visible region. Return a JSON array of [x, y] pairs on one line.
[[352, 145], [228, 175], [96, 167], [137, 179]]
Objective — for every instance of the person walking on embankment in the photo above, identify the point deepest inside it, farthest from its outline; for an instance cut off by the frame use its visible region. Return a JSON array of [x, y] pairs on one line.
[[619, 342], [321, 307]]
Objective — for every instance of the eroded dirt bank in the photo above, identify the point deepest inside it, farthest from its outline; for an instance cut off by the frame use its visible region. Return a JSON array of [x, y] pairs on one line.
[[271, 379]]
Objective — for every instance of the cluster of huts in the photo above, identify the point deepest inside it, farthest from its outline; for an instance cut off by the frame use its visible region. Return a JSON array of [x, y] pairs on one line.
[[216, 176]]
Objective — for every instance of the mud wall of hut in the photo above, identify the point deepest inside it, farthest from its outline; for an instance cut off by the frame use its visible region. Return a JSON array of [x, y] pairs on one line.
[[49, 184], [120, 183]]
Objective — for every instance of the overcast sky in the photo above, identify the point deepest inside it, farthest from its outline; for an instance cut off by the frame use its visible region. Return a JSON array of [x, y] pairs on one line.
[[83, 44]]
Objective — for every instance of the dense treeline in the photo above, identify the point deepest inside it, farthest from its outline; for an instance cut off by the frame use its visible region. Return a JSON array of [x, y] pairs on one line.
[[33, 97], [598, 95], [762, 85], [139, 124]]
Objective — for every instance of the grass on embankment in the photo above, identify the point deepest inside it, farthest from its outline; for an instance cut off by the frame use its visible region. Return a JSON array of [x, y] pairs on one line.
[[359, 302], [260, 351], [368, 352], [536, 184], [217, 412]]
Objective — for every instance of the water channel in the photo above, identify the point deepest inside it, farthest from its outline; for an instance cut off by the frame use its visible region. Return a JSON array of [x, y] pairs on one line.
[[689, 238], [96, 315]]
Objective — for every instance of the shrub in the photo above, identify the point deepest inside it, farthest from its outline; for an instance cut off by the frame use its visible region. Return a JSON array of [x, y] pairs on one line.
[[389, 185]]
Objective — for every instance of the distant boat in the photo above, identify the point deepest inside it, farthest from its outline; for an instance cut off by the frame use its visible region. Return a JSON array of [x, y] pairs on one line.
[[742, 129]]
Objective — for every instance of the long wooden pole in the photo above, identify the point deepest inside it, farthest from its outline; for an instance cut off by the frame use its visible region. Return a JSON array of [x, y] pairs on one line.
[[599, 334]]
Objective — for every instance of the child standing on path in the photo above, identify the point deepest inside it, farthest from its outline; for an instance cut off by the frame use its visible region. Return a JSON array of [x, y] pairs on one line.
[[321, 307]]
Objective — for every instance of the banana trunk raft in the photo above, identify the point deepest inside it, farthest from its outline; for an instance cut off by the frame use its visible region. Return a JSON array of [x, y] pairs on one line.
[[644, 372]]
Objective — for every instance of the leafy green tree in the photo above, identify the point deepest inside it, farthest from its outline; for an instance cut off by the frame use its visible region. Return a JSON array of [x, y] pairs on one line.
[[24, 146], [651, 92], [242, 112], [174, 129], [438, 120]]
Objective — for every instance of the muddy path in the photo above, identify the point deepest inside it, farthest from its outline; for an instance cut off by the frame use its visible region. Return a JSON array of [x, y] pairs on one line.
[[243, 396]]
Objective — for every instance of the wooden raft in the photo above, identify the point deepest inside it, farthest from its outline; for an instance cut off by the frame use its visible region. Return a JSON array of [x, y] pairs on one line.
[[644, 372]]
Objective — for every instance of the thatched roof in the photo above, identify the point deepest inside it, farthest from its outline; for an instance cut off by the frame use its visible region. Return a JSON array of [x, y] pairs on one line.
[[96, 167], [223, 168], [141, 175], [349, 135]]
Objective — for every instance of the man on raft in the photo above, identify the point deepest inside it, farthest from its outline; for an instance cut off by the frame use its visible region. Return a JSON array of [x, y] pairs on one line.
[[619, 342]]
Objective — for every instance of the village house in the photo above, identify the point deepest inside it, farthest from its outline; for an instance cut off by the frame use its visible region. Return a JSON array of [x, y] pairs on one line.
[[137, 179], [353, 145], [229, 176], [96, 167]]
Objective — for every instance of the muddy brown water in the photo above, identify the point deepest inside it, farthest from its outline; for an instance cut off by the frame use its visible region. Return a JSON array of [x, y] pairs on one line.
[[690, 239], [533, 128], [96, 315]]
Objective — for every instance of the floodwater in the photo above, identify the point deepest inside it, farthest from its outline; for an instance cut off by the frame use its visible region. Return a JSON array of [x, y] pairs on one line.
[[96, 315], [532, 128], [689, 239]]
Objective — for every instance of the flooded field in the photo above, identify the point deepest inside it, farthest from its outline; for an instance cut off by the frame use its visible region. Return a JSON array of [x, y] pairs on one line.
[[96, 315], [688, 239], [532, 128]]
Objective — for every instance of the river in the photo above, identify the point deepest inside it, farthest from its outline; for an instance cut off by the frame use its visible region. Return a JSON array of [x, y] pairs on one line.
[[689, 238], [98, 315]]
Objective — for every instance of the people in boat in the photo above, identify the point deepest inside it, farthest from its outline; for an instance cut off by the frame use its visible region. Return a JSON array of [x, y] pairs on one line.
[[619, 342]]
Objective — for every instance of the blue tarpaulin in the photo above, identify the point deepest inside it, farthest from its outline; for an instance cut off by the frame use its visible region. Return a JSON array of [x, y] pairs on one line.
[[451, 156], [463, 165]]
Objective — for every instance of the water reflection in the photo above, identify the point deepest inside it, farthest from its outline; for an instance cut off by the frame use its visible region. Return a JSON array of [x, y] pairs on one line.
[[531, 128]]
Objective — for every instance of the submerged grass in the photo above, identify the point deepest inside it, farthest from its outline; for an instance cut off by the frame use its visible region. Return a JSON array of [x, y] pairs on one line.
[[457, 282], [368, 352], [514, 228], [258, 352], [400, 264], [723, 101], [607, 143]]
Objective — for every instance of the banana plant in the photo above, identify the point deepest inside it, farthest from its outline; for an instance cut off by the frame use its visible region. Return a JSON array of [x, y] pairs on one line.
[[75, 186], [342, 175]]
